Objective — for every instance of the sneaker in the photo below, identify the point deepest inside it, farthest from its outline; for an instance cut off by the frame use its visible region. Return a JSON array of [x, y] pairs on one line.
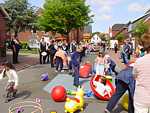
[[56, 71], [106, 111], [62, 71]]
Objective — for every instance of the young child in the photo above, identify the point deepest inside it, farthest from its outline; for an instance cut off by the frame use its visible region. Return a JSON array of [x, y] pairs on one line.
[[110, 65], [100, 64], [12, 84], [75, 61]]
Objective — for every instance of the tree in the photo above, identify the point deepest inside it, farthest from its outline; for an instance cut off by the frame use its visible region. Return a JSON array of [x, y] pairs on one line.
[[140, 29], [120, 37], [22, 15], [62, 16]]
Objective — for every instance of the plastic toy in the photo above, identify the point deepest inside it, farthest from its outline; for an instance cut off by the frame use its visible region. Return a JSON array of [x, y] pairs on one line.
[[88, 93], [124, 101], [44, 77], [59, 94], [85, 70], [109, 78], [76, 103], [102, 87], [44, 53]]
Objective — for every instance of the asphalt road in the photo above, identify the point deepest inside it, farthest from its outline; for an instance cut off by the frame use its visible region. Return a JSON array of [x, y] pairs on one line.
[[30, 88]]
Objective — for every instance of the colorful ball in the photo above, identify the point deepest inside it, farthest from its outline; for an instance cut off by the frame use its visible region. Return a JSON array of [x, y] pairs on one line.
[[59, 94]]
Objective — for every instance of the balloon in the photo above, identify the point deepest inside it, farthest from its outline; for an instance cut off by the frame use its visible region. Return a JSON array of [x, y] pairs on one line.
[[59, 94]]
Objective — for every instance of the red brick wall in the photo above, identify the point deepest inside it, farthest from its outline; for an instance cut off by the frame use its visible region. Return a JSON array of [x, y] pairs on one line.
[[74, 34], [114, 33], [2, 36], [25, 36], [2, 28]]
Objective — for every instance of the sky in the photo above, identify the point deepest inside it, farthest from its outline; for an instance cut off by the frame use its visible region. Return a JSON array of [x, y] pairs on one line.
[[109, 12]]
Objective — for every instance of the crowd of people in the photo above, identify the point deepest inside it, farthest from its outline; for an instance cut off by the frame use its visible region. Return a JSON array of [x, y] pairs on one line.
[[134, 78]]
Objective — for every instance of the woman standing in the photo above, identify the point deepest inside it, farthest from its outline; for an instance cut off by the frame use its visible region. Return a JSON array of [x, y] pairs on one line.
[[141, 73]]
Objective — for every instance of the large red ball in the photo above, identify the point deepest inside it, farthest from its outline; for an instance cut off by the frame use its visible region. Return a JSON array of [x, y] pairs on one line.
[[59, 94]]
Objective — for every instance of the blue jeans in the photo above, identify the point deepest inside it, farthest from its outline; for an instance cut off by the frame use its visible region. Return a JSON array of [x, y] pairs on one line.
[[76, 74], [121, 88], [59, 63], [125, 58]]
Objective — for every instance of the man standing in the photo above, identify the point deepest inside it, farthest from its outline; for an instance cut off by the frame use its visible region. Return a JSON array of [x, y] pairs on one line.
[[42, 51], [52, 52], [15, 46], [116, 47]]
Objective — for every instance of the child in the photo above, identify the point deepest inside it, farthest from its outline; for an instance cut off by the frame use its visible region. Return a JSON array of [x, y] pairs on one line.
[[75, 61], [12, 84], [100, 64], [111, 65]]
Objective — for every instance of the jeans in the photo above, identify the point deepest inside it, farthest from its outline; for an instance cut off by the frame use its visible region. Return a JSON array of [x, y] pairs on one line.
[[51, 60], [121, 88], [59, 63], [114, 70], [125, 58], [76, 74], [15, 56]]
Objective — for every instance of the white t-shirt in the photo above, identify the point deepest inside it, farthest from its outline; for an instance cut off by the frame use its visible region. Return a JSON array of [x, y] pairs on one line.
[[12, 76]]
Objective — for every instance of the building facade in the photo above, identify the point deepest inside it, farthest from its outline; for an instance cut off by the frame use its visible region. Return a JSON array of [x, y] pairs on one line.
[[3, 33]]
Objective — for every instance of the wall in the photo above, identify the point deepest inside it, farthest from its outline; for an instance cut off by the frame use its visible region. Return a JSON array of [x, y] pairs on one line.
[[2, 36]]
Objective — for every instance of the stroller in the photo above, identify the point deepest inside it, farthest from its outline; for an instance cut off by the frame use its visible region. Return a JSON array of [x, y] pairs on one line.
[[10, 92]]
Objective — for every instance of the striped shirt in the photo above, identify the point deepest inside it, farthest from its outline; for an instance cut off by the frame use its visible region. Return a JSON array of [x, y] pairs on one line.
[[142, 73]]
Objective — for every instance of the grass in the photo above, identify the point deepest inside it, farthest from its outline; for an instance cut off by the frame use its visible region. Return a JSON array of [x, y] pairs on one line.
[[26, 52]]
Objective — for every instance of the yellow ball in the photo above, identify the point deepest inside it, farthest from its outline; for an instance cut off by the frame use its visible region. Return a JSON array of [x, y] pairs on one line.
[[124, 101]]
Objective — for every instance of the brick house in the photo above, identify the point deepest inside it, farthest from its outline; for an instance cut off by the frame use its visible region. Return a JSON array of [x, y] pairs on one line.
[[132, 25], [3, 33], [116, 28]]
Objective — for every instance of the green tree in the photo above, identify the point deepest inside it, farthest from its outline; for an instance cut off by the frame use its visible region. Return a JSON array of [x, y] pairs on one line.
[[22, 15], [120, 37], [62, 16], [140, 29]]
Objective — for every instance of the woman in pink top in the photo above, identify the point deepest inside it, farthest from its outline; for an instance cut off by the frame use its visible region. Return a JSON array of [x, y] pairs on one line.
[[60, 58], [141, 72]]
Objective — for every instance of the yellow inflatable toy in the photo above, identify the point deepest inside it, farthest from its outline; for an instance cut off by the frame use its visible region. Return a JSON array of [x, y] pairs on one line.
[[76, 103], [109, 78], [124, 101]]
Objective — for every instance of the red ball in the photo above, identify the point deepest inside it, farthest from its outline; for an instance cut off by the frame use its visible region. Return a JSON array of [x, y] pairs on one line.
[[59, 94]]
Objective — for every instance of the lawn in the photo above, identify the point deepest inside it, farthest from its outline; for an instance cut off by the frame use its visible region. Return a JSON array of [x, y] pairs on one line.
[[26, 51]]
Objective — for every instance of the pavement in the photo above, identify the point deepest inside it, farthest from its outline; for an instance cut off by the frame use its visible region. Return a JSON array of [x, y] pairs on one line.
[[31, 88]]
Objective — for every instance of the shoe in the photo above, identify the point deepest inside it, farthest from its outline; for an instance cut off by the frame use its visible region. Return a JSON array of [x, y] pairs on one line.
[[7, 100], [56, 71], [76, 85], [106, 111], [62, 71]]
